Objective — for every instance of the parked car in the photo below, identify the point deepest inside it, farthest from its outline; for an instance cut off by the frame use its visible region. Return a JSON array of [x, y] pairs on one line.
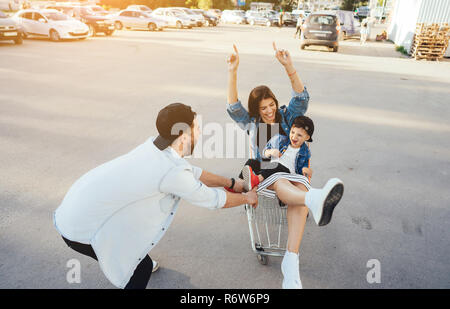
[[305, 13], [99, 10], [290, 20], [210, 20], [350, 25], [215, 12], [321, 29], [131, 19], [136, 7], [273, 16], [174, 18], [362, 12], [97, 23], [10, 5], [258, 18], [52, 24], [199, 19], [233, 17], [10, 30]]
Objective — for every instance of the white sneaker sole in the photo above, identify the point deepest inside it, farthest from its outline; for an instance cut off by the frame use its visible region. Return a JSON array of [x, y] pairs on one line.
[[247, 178], [286, 286], [335, 189], [155, 266]]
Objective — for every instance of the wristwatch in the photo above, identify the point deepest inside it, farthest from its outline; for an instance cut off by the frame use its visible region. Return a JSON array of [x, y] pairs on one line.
[[233, 181]]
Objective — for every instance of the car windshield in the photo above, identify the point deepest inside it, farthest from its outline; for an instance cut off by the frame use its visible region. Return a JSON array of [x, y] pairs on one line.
[[178, 13], [87, 11], [55, 16], [97, 8], [145, 8], [322, 20], [3, 15]]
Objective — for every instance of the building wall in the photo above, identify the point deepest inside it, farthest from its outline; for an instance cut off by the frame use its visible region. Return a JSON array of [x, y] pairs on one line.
[[407, 13]]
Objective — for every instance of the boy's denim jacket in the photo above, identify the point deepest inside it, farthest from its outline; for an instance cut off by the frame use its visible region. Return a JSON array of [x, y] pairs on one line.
[[297, 107], [281, 142]]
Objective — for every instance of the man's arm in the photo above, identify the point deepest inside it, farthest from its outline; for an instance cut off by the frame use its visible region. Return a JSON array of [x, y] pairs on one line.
[[213, 180], [233, 199], [237, 199], [181, 182]]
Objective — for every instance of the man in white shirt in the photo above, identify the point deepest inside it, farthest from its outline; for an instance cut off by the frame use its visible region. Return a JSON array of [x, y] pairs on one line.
[[117, 212]]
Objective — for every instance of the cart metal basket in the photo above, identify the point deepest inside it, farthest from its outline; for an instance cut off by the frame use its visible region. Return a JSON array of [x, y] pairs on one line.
[[268, 228]]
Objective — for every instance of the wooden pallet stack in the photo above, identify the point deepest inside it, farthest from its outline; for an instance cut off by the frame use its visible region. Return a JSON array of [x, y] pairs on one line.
[[430, 41]]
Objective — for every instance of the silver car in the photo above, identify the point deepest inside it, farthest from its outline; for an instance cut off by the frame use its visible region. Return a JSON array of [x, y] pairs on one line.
[[130, 19], [199, 19], [174, 18]]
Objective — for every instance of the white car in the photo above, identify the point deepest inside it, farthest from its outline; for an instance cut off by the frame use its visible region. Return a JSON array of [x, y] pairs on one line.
[[137, 7], [51, 23], [138, 20], [174, 18], [233, 17], [199, 18]]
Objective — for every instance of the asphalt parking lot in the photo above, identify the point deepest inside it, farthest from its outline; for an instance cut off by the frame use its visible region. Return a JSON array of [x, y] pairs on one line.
[[381, 126]]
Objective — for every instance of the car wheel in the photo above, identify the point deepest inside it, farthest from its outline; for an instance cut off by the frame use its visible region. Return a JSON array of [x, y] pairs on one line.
[[335, 49], [179, 25], [18, 40], [24, 35], [302, 46], [151, 27], [118, 25], [54, 36], [92, 31], [110, 32]]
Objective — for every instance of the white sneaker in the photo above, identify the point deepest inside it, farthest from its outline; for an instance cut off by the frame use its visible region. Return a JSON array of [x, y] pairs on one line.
[[291, 271], [322, 202], [155, 266]]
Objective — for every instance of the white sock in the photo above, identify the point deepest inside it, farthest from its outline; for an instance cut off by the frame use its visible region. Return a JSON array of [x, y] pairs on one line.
[[309, 197], [289, 259]]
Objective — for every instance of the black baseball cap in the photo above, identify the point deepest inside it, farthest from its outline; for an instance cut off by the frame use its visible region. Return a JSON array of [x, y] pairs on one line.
[[172, 114], [306, 123]]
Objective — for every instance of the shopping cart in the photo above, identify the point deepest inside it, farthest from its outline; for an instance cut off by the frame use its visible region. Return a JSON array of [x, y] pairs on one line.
[[268, 225]]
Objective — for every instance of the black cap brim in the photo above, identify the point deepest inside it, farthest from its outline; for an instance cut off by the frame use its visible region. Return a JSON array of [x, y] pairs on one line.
[[161, 143]]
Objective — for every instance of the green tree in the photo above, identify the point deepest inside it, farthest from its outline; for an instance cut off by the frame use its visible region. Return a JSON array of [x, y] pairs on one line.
[[348, 5], [222, 4], [205, 4]]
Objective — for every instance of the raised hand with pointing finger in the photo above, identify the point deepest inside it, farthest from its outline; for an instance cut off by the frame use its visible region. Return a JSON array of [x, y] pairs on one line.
[[233, 64], [233, 60], [284, 57]]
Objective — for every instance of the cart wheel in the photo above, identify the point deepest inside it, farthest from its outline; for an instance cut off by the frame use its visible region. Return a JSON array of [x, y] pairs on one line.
[[262, 259]]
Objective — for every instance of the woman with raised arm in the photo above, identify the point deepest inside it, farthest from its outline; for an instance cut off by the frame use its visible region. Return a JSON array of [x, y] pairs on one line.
[[264, 119]]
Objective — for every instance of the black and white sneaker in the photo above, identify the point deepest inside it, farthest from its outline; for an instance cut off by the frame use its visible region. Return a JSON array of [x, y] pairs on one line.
[[322, 202]]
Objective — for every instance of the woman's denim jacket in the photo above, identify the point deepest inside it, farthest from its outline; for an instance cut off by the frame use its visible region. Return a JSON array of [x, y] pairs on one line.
[[282, 142], [297, 107]]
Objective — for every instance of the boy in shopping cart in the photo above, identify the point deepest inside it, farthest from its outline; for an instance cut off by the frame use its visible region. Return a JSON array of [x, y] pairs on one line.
[[289, 154]]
